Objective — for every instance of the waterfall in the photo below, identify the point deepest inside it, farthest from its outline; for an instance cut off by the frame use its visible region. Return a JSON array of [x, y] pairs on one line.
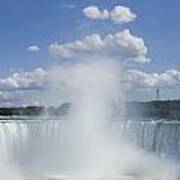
[[36, 146], [19, 138], [159, 137]]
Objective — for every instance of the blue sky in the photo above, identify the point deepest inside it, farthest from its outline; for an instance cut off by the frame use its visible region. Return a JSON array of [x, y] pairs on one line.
[[45, 21], [42, 22]]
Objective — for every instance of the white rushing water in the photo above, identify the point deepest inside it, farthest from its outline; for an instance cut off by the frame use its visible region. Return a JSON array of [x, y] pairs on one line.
[[95, 142], [36, 146]]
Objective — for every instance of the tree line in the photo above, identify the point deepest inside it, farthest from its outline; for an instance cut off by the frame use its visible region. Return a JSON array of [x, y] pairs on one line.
[[152, 109]]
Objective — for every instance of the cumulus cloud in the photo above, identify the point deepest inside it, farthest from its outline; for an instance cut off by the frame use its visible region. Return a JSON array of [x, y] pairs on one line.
[[24, 81], [122, 14], [38, 80], [138, 79], [93, 12], [27, 87], [33, 48], [122, 45], [119, 15]]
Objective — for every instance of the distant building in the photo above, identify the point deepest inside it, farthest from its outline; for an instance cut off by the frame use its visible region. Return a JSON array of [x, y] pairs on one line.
[[157, 94]]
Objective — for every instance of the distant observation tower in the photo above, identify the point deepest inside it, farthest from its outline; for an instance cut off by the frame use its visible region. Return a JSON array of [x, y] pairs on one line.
[[157, 94]]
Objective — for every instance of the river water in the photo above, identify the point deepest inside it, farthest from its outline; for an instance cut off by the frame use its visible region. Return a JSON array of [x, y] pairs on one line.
[[38, 148]]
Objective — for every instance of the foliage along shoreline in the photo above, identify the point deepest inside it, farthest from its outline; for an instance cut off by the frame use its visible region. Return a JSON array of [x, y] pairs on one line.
[[168, 109]]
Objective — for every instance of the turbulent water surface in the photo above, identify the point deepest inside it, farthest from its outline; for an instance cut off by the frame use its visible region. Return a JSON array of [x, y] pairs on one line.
[[38, 148]]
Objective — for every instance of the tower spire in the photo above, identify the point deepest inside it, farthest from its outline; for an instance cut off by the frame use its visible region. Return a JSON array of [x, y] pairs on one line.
[[157, 94]]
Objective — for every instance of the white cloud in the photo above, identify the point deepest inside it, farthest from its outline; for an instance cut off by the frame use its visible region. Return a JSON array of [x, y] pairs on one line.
[[38, 80], [119, 15], [24, 81], [122, 14], [28, 87], [122, 45], [138, 79], [93, 12], [33, 48]]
